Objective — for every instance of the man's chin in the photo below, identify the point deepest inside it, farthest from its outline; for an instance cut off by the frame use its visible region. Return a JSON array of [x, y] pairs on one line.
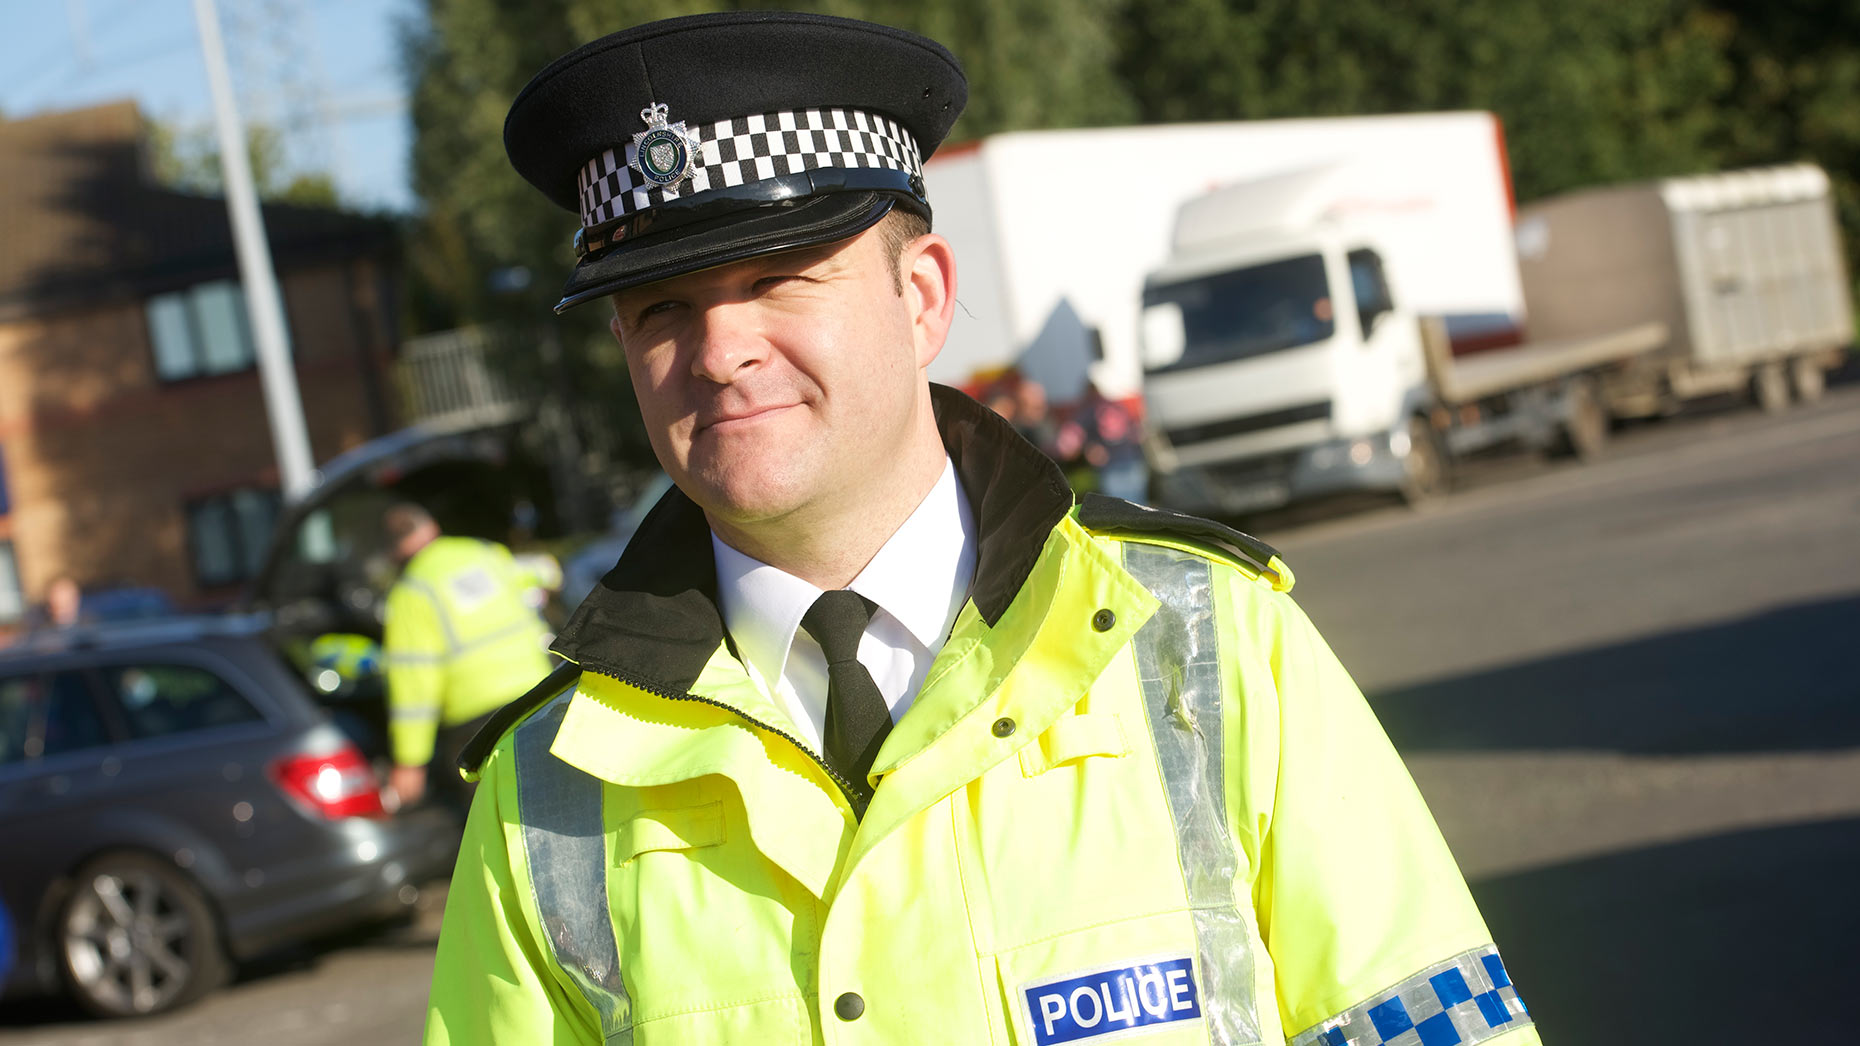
[[742, 500]]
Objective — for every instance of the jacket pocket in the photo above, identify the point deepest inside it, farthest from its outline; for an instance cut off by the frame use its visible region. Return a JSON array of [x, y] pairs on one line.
[[1075, 737], [687, 828]]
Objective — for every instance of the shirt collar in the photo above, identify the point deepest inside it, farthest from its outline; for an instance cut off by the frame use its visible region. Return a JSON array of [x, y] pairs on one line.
[[920, 576], [653, 620]]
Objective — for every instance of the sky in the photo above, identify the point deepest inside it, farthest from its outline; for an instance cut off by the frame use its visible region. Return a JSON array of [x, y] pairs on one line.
[[327, 72]]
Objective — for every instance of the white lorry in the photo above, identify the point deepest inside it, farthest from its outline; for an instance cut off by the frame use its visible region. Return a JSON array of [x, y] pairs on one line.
[[1301, 339], [1056, 231]]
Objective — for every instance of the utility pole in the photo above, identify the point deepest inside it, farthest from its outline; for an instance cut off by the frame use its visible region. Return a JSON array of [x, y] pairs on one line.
[[283, 406]]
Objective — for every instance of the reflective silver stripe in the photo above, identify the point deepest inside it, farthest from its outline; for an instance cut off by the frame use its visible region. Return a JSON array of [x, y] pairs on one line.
[[1466, 999], [1178, 667], [439, 610], [521, 624], [413, 715], [405, 660], [563, 840], [454, 645]]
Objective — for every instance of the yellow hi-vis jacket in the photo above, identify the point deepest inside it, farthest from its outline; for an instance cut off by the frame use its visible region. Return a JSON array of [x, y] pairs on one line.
[[460, 640], [1136, 796]]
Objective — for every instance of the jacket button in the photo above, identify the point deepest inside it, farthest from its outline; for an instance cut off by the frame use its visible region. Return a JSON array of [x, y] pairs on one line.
[[848, 1007], [1004, 726], [1103, 620]]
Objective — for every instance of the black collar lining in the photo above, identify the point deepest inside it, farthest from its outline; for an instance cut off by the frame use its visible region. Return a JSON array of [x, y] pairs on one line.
[[654, 620]]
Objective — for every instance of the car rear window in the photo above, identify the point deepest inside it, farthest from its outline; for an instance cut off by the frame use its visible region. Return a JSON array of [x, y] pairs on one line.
[[163, 699], [47, 714]]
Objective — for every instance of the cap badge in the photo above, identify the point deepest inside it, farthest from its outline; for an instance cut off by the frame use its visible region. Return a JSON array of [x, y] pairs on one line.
[[664, 152]]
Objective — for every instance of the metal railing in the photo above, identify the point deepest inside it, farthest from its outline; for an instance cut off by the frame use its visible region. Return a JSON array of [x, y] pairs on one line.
[[449, 374]]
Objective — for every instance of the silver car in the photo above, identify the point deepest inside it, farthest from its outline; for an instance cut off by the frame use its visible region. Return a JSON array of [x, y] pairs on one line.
[[172, 801]]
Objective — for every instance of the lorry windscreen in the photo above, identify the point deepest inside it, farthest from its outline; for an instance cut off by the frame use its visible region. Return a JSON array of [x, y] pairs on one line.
[[1232, 315]]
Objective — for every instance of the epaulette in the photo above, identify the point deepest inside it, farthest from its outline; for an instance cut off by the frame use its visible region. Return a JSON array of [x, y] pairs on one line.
[[478, 749], [1117, 516]]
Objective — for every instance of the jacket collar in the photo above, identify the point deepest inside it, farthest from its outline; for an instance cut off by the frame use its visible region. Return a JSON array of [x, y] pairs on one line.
[[653, 620]]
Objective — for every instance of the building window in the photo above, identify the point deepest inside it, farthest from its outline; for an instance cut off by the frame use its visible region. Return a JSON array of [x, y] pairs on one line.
[[230, 533], [201, 331], [12, 600]]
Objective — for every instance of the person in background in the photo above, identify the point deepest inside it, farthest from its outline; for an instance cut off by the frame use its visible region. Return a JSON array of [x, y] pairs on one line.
[[1033, 418], [461, 639], [64, 602], [1114, 446]]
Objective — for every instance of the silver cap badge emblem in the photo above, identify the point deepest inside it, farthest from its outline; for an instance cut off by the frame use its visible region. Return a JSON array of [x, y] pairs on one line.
[[665, 153]]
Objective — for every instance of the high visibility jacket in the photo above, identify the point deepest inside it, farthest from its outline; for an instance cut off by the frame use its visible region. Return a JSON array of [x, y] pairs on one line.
[[460, 640], [1135, 795]]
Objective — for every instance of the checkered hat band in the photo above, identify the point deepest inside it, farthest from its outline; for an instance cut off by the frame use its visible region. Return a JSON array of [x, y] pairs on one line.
[[748, 149], [1459, 1002]]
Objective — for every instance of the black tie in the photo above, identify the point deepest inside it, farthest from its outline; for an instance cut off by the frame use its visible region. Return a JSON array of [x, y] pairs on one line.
[[857, 716]]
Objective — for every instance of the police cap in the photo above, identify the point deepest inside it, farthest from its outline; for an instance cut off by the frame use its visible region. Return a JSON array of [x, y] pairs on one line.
[[698, 141]]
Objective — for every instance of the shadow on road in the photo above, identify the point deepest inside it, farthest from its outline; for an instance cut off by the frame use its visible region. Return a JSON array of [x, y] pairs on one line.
[[1783, 680], [1734, 939]]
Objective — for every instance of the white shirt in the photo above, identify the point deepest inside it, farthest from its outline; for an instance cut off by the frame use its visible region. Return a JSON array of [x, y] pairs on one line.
[[919, 580]]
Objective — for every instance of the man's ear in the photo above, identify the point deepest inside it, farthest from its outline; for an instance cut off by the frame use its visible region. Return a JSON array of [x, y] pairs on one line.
[[929, 267]]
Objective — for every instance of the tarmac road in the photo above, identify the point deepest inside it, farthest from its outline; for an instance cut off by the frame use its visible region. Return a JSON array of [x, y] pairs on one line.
[[1631, 694], [1630, 691]]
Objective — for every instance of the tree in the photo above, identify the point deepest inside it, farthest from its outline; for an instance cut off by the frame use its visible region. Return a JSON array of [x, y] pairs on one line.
[[1589, 90], [188, 159]]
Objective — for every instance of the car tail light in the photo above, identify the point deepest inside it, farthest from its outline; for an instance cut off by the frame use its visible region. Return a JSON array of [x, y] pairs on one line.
[[335, 784]]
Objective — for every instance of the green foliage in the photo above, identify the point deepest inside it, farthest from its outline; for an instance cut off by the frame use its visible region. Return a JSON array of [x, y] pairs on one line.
[[188, 159]]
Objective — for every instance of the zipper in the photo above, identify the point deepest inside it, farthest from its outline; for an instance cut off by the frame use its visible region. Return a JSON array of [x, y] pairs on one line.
[[857, 797]]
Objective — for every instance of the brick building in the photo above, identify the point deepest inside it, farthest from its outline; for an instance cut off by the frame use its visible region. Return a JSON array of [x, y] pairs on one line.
[[134, 444]]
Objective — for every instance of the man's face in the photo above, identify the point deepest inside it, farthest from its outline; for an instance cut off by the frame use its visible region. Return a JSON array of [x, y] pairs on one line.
[[783, 382]]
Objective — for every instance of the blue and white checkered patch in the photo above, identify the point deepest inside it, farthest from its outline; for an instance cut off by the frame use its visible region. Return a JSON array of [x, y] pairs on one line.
[[749, 149], [1466, 999]]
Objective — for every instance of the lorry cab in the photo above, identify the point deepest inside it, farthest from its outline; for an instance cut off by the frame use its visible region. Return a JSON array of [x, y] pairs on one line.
[[1278, 366]]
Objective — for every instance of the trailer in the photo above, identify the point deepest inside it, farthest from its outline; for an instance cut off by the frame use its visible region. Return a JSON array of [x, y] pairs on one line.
[[1744, 268]]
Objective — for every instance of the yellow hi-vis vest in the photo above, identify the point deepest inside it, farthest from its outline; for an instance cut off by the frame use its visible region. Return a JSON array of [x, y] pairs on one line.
[[460, 640], [1145, 801]]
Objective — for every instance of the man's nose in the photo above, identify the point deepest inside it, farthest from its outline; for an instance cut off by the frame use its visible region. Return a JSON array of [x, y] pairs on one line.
[[731, 341]]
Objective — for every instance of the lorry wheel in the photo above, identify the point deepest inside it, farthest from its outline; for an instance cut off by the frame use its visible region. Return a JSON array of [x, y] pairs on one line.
[[1770, 387], [137, 937], [1424, 468], [1585, 423], [1809, 380]]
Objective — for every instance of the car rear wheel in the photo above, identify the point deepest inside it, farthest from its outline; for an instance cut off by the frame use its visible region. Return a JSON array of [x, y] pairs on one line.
[[137, 937]]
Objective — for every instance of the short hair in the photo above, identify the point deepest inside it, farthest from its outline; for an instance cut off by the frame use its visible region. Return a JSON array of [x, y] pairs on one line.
[[896, 231], [403, 518]]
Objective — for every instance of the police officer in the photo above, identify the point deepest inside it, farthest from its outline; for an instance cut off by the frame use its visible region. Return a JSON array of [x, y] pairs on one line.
[[873, 735], [460, 640]]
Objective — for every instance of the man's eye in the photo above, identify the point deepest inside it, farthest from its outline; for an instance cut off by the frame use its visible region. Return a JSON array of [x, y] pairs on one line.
[[657, 308]]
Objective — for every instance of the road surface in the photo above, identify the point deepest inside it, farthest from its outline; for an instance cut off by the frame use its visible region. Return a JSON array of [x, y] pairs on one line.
[[1628, 689]]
